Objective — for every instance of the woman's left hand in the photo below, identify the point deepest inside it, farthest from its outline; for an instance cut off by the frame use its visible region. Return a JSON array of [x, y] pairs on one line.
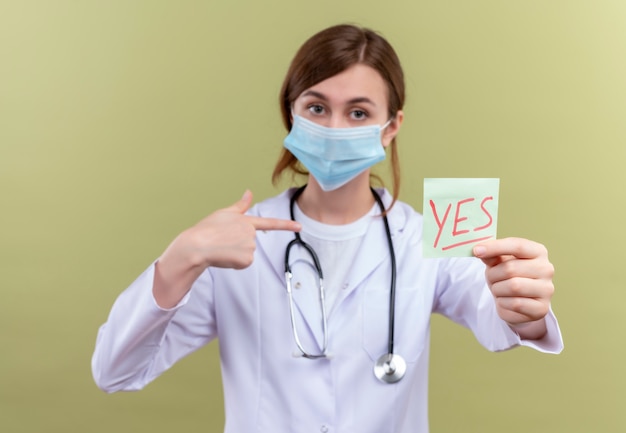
[[519, 275]]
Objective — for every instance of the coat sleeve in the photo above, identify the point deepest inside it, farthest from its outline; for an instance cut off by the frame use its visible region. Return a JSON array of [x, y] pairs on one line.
[[140, 340], [464, 297]]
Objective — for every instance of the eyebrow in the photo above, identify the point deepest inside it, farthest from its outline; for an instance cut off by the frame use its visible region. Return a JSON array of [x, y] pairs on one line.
[[323, 97]]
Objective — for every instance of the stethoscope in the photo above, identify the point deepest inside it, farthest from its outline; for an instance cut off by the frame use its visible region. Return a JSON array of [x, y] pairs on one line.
[[390, 367]]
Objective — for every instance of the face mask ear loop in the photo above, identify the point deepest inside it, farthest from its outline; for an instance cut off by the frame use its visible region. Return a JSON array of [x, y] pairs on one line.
[[387, 123], [292, 115]]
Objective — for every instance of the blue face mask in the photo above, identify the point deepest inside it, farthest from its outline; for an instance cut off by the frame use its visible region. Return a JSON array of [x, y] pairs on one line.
[[335, 156]]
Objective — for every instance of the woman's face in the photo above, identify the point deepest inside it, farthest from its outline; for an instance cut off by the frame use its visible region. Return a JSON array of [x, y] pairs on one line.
[[357, 96]]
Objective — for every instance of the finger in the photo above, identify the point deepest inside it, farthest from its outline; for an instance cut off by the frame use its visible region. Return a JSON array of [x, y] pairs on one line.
[[261, 223], [494, 261], [515, 268], [520, 310], [523, 288], [242, 205], [517, 247]]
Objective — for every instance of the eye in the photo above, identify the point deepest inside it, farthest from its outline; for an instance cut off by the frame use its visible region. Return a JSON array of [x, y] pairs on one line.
[[358, 114], [316, 109]]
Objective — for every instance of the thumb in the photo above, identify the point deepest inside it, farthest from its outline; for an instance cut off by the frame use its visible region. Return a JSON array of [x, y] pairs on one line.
[[489, 260], [243, 204]]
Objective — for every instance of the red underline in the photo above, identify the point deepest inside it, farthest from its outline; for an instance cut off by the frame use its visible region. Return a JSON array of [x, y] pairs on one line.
[[449, 247]]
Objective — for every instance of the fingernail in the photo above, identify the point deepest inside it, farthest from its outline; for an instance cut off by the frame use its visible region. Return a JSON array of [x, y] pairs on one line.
[[479, 251]]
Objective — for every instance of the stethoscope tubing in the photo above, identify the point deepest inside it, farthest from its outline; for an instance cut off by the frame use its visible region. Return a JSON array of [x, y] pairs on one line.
[[389, 368], [392, 289], [288, 275]]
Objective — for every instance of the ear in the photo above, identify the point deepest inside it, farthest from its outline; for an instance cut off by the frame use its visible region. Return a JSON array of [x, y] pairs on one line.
[[390, 132]]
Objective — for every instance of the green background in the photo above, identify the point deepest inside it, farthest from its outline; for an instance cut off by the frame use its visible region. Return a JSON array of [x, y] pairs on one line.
[[124, 122]]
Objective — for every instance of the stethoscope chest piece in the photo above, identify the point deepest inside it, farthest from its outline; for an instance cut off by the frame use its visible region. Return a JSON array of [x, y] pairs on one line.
[[390, 368]]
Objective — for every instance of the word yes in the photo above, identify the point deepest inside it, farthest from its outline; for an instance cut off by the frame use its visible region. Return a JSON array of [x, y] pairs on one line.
[[461, 219]]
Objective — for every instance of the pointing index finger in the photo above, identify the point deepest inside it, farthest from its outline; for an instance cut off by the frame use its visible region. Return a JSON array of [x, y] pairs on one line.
[[261, 223]]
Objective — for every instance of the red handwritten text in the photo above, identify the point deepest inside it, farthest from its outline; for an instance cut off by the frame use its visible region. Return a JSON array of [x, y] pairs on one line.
[[462, 220]]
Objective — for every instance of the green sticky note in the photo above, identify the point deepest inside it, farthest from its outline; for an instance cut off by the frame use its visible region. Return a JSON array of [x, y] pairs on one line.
[[458, 213]]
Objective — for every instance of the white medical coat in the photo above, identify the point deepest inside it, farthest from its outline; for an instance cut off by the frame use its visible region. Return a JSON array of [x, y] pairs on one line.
[[267, 388]]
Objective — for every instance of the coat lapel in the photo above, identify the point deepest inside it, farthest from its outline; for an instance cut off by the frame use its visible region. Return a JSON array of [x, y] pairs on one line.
[[374, 250]]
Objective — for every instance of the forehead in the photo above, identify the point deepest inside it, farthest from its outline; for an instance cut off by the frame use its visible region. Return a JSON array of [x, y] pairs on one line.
[[358, 81]]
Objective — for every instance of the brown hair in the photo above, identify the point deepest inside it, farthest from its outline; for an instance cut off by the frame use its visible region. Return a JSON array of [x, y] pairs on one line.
[[327, 54]]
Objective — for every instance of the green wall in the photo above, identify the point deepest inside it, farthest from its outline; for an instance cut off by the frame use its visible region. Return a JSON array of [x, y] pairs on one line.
[[124, 122]]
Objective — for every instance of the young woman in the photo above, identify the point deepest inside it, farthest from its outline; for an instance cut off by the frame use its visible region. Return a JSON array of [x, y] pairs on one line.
[[320, 297]]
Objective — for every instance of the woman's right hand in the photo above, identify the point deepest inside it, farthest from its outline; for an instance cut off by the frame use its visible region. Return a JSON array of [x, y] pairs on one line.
[[224, 239]]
